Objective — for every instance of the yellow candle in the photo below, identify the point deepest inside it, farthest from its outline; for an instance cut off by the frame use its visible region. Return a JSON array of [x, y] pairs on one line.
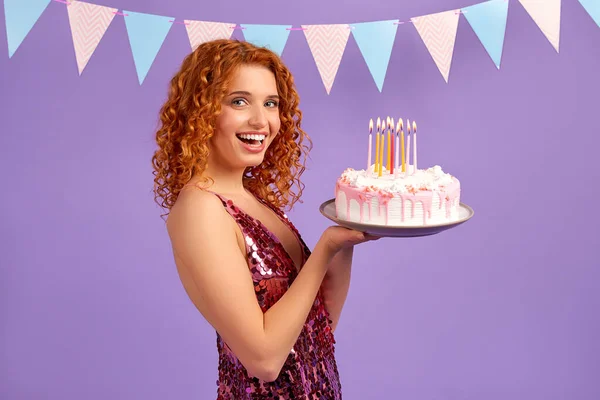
[[377, 146], [389, 146]]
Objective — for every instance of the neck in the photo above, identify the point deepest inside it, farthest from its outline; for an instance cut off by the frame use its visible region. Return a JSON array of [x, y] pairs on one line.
[[226, 180]]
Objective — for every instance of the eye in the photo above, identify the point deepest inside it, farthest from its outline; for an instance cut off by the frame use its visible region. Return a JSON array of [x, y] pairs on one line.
[[238, 102], [272, 104]]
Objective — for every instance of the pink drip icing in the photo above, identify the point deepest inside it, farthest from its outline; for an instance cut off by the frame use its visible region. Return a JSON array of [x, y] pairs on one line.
[[362, 199], [384, 199], [448, 196], [452, 195], [347, 207], [427, 204], [361, 196], [444, 200], [402, 213], [364, 195]]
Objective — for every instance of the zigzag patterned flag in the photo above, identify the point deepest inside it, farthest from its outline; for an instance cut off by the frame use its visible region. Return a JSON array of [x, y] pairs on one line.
[[202, 31], [327, 44], [20, 16], [88, 24], [546, 14], [146, 32], [593, 8], [488, 20], [438, 32]]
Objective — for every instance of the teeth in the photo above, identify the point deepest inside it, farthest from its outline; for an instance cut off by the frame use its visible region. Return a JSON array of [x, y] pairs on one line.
[[253, 137]]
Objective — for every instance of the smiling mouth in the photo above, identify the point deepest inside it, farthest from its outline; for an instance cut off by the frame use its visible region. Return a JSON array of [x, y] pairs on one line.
[[253, 140]]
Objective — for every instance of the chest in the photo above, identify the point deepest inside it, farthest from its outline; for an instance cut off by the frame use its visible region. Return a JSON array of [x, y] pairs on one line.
[[280, 229]]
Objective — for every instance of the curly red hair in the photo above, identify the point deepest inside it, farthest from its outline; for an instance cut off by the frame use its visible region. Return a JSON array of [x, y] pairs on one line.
[[189, 115]]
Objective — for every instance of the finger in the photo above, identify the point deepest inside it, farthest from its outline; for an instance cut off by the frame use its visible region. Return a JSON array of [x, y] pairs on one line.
[[359, 236]]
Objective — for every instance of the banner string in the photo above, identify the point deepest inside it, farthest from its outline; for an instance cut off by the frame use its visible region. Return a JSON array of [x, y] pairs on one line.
[[241, 27]]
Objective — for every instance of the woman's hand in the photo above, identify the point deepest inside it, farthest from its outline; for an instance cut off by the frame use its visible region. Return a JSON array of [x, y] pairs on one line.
[[337, 238]]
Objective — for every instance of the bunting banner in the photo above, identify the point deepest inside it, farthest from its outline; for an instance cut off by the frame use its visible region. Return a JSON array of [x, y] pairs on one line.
[[593, 8], [375, 41], [201, 31], [88, 24], [488, 20], [438, 32], [546, 14], [147, 32], [273, 37], [20, 16], [327, 44]]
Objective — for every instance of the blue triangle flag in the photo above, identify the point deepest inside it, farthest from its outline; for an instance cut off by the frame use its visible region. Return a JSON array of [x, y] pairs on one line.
[[20, 17], [488, 20], [273, 37], [375, 41], [593, 8], [146, 32]]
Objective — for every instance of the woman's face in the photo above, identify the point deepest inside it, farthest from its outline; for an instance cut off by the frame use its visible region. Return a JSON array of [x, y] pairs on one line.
[[249, 119]]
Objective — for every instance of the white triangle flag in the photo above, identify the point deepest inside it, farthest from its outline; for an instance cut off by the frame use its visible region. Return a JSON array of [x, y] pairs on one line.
[[546, 14], [327, 44], [88, 24], [204, 31], [438, 32]]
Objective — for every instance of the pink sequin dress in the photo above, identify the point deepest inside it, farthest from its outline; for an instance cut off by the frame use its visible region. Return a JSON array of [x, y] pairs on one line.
[[310, 371]]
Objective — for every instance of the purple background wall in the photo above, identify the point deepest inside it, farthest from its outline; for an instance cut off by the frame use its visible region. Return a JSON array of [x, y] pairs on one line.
[[504, 307]]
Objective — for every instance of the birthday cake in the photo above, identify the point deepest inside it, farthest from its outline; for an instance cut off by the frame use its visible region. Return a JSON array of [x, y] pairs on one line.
[[399, 194]]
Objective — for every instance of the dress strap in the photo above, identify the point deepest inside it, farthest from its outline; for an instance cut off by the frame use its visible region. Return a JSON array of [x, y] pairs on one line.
[[195, 185], [227, 204]]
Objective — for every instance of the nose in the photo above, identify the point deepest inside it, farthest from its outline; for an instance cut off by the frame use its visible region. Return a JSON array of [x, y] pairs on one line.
[[258, 117]]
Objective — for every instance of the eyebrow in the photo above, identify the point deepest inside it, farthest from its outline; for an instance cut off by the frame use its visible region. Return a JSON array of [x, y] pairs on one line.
[[244, 93]]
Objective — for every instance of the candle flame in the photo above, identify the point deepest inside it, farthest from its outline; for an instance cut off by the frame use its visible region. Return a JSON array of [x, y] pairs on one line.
[[378, 124], [408, 126], [387, 120], [371, 126], [400, 125], [415, 127], [392, 124]]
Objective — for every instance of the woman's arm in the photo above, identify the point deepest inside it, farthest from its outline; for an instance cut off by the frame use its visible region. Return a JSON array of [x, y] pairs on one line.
[[215, 271], [336, 284]]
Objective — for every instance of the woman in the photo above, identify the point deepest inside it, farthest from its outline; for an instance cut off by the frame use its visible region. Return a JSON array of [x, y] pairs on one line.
[[229, 152]]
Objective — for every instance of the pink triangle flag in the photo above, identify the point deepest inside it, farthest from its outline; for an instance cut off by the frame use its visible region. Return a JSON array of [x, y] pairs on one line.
[[88, 24], [438, 32], [546, 14], [203, 31], [327, 44]]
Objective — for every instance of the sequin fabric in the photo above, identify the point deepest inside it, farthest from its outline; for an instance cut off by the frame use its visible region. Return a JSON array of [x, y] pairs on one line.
[[310, 371]]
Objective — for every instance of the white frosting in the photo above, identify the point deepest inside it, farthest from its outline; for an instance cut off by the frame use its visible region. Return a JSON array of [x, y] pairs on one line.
[[431, 178]]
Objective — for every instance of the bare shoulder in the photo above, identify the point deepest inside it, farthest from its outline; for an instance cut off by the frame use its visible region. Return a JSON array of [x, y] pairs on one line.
[[197, 199], [198, 220], [195, 205]]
